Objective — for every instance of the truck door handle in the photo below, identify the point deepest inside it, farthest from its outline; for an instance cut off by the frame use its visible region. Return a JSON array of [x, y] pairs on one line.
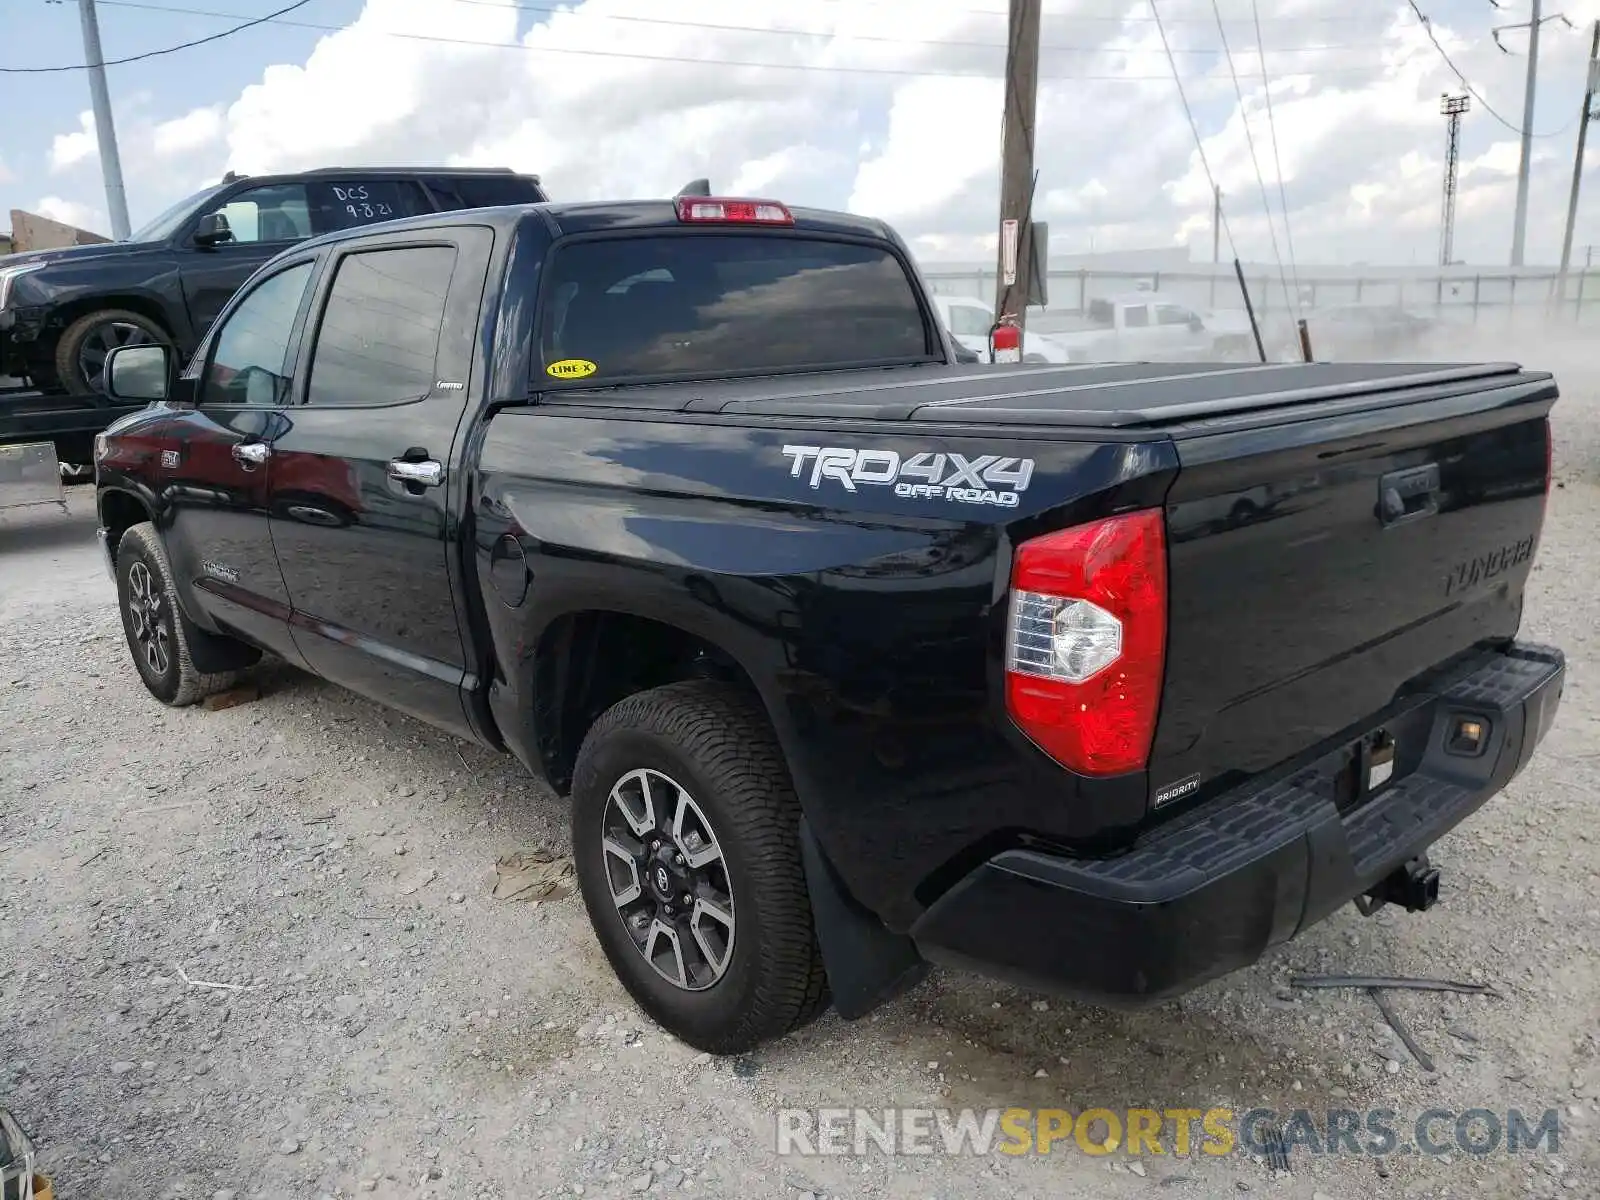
[[426, 472], [252, 454]]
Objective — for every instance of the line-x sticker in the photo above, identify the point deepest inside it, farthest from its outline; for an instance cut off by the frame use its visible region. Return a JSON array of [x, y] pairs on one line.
[[928, 475]]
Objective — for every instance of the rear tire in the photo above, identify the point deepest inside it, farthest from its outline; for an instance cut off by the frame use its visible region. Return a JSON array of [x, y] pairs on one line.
[[153, 625], [711, 743]]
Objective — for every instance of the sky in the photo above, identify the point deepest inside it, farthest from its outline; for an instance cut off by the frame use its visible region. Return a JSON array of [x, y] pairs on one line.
[[890, 108]]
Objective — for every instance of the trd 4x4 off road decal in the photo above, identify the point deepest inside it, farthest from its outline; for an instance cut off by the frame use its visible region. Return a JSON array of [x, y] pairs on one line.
[[981, 479]]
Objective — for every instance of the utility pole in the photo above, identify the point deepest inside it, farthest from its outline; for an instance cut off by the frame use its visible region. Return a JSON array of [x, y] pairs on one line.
[[1577, 161], [105, 131], [1016, 167], [1519, 231], [1452, 107], [1216, 223]]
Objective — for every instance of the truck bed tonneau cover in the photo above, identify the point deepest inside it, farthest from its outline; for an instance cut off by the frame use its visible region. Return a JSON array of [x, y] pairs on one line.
[[1092, 395]]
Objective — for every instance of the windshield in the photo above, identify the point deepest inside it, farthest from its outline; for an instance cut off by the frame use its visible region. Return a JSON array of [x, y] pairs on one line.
[[167, 223]]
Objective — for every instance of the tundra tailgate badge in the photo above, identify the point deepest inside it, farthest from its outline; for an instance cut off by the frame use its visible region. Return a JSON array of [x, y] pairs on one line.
[[982, 479]]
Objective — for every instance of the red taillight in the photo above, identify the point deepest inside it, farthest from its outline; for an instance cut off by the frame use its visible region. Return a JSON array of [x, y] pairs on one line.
[[713, 210], [1087, 641]]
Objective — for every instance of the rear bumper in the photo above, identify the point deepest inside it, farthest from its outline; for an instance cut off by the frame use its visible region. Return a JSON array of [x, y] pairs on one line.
[[1212, 891]]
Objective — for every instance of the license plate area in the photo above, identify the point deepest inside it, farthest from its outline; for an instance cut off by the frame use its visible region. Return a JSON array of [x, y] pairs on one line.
[[1379, 758], [1370, 766]]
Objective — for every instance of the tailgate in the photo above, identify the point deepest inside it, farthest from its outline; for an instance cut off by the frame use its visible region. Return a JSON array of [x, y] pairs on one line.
[[1324, 561]]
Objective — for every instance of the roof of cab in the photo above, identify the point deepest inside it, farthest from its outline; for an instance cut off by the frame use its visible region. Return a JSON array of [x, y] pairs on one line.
[[570, 217], [596, 216]]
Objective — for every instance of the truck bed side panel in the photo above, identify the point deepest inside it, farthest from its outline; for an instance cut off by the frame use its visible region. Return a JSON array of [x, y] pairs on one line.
[[871, 624]]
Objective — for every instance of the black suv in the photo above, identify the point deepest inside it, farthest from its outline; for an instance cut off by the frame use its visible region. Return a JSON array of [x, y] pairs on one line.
[[61, 311]]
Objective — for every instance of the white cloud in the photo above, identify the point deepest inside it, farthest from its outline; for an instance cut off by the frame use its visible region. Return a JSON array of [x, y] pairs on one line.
[[6, 174], [71, 212], [941, 138], [194, 131], [79, 146], [636, 97]]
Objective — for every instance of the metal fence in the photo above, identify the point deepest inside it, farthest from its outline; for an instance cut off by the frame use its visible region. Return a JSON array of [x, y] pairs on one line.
[[1471, 299]]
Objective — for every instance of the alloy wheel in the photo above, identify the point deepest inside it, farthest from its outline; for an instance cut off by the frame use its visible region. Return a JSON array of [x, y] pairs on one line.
[[101, 341], [668, 879], [150, 617]]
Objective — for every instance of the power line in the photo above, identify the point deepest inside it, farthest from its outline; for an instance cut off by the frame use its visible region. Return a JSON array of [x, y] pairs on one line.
[[1255, 161], [117, 62], [1277, 162], [1119, 19], [1194, 128], [902, 72], [897, 41], [724, 28], [1427, 27]]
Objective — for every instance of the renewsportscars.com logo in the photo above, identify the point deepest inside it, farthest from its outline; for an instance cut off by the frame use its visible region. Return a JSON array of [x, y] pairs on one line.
[[1212, 1132], [982, 479]]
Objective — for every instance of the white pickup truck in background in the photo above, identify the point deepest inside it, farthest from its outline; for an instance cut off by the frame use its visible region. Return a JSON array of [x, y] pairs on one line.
[[1148, 326], [969, 320]]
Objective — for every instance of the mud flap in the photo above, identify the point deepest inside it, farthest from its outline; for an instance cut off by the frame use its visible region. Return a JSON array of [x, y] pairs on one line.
[[867, 964]]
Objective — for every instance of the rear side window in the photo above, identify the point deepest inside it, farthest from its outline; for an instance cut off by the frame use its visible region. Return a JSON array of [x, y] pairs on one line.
[[380, 327], [288, 212], [486, 191], [346, 203], [703, 305]]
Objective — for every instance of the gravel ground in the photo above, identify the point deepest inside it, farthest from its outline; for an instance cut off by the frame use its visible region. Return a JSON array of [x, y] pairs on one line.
[[392, 1029]]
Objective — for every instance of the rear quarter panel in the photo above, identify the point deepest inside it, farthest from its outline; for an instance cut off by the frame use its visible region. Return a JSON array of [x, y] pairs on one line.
[[871, 623]]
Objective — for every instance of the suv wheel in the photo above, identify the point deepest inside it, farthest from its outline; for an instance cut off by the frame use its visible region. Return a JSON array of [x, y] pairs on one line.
[[154, 627], [685, 832], [81, 352]]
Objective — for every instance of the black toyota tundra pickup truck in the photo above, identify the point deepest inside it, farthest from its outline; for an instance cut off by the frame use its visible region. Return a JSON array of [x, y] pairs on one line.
[[851, 658]]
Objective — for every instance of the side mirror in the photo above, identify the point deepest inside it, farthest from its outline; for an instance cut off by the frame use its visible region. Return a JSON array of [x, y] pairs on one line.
[[213, 230], [138, 374]]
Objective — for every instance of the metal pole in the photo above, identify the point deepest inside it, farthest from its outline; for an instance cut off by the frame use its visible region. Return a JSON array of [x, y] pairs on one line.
[[1216, 224], [1519, 231], [105, 131], [1249, 309], [1577, 160], [1016, 169]]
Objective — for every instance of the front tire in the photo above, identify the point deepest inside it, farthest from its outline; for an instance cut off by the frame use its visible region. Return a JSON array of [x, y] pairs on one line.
[[84, 345], [685, 833], [154, 627]]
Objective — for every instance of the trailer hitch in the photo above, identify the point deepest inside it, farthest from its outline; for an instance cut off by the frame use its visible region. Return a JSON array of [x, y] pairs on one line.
[[1414, 886]]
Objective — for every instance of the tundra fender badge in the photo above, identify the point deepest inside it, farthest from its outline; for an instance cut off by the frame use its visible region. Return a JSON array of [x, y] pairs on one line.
[[218, 571], [1176, 791], [991, 479]]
